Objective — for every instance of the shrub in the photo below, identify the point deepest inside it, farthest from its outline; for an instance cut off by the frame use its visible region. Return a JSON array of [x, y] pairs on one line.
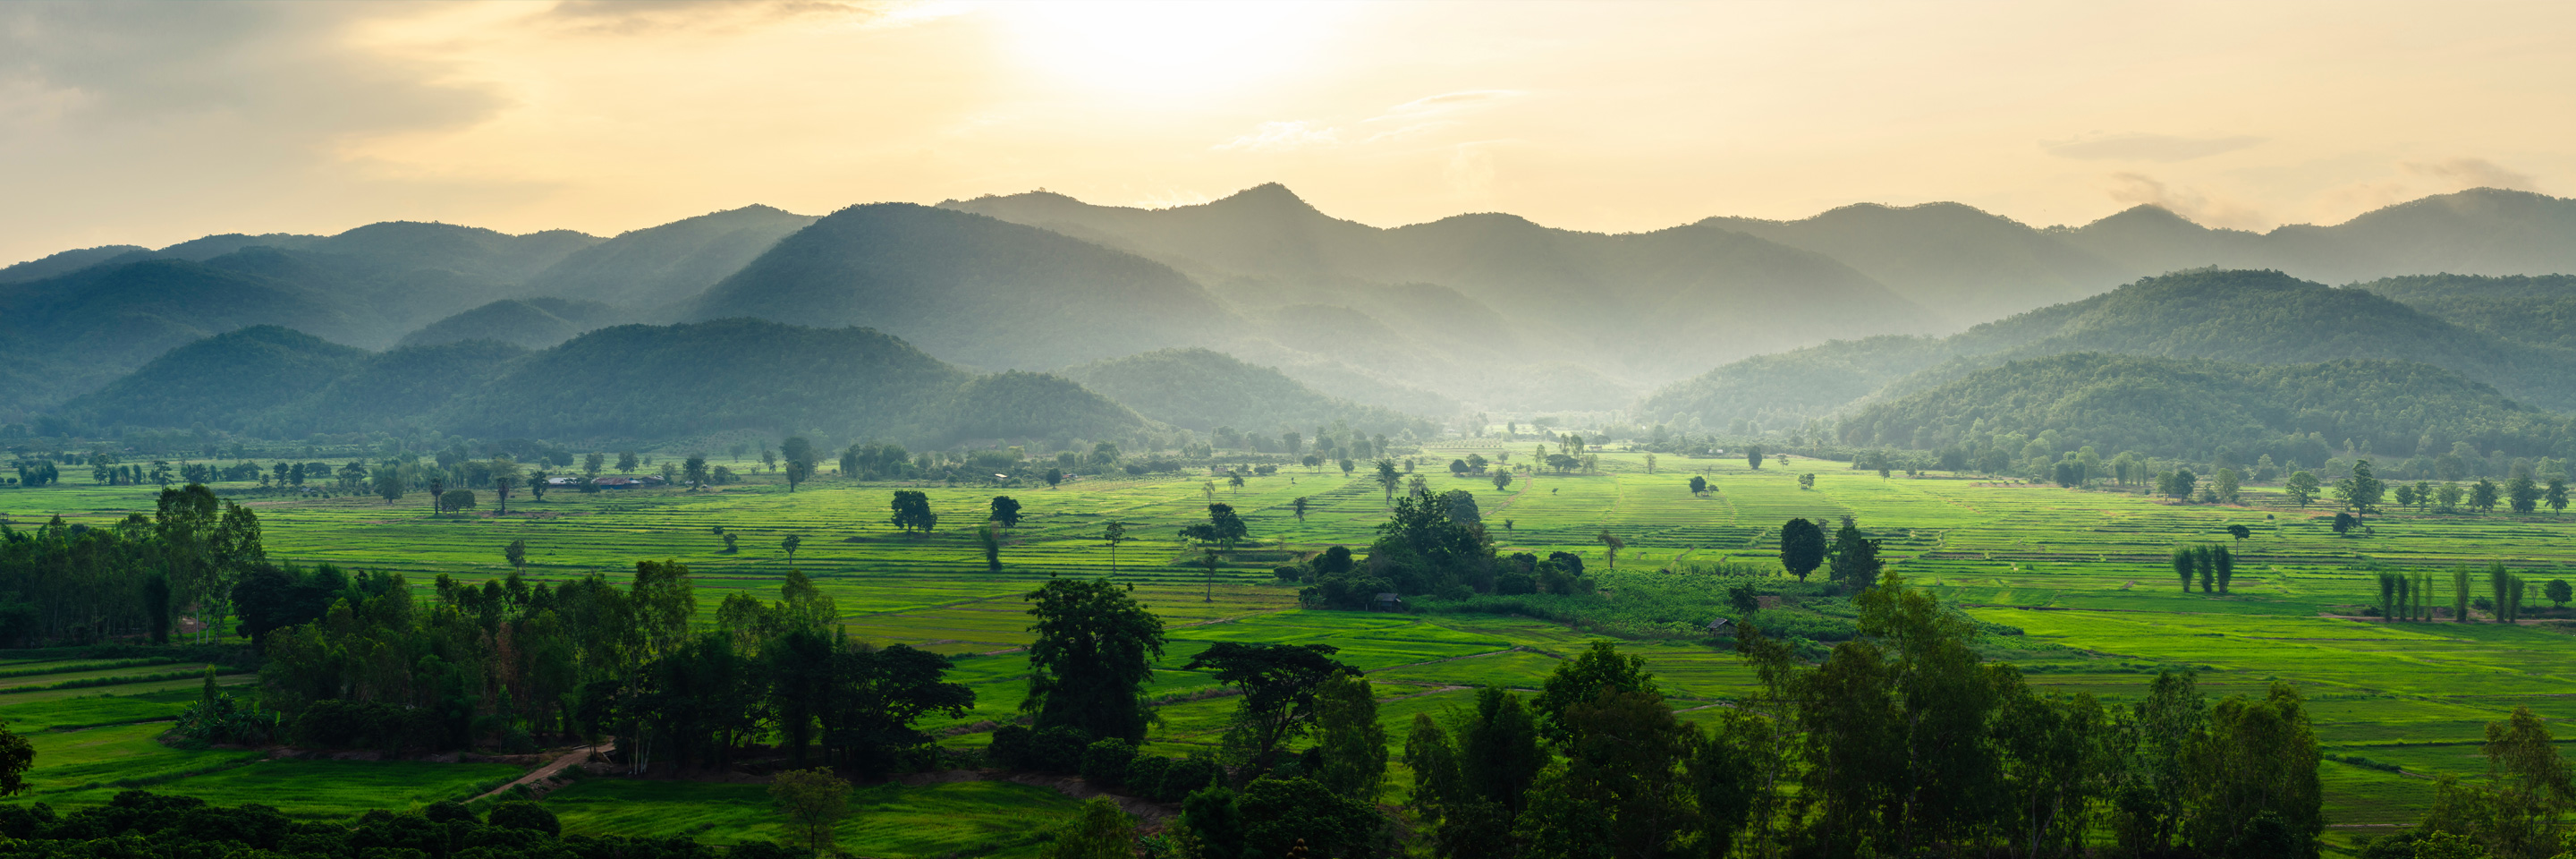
[[1104, 762], [525, 815], [446, 810], [1187, 775], [1145, 775]]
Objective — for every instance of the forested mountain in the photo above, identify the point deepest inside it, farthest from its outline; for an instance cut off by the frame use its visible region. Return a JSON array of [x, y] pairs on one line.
[[1643, 304], [65, 262], [71, 333], [2263, 317], [2477, 231], [1956, 260], [2195, 408], [532, 323], [635, 383], [670, 264], [2535, 310], [971, 289], [221, 380], [1203, 390]]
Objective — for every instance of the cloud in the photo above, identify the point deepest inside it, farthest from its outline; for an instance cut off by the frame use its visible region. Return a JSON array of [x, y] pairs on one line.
[[629, 17], [1448, 102], [286, 73], [2197, 207], [2146, 147], [1283, 137], [2471, 173]]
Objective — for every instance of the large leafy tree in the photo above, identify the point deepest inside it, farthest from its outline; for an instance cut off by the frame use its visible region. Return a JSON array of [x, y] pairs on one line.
[[1802, 547], [800, 456], [1095, 650], [1279, 684]]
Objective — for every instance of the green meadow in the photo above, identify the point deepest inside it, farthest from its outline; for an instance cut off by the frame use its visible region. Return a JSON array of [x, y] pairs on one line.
[[2082, 575]]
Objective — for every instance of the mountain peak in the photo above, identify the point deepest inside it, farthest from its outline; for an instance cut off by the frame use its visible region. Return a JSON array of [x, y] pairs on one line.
[[1267, 196]]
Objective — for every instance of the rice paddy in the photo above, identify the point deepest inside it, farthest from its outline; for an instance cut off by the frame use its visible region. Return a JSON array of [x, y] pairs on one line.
[[2082, 574]]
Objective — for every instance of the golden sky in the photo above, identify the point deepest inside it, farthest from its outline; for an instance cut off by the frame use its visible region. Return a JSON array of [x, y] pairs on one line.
[[150, 124]]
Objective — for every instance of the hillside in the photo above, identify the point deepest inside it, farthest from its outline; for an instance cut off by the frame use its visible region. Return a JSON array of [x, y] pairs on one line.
[[64, 263], [1956, 260], [668, 264], [529, 323], [219, 381], [2194, 408], [2536, 310], [1203, 390], [2261, 317], [629, 383], [971, 289]]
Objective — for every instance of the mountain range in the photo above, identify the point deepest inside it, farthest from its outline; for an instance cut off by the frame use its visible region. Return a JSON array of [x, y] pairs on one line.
[[1474, 312]]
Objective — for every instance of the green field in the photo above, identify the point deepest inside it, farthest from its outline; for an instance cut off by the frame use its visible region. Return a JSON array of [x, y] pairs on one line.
[[2083, 574]]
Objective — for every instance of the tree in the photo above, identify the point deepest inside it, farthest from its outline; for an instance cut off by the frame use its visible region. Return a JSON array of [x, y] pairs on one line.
[[1352, 743], [1802, 547], [627, 462], [790, 545], [990, 538], [591, 463], [2257, 760], [1054, 476], [912, 511], [1006, 510], [1502, 478], [1855, 558], [1102, 831], [2483, 495], [1279, 683], [814, 801], [1698, 485], [2225, 561], [2555, 496], [505, 474], [2301, 487], [1347, 467], [800, 457], [2558, 593], [1388, 478], [1091, 659], [2240, 532], [695, 471], [1299, 507], [2361, 491], [2522, 494], [390, 484], [1610, 545], [1115, 533], [2529, 787], [1600, 668], [517, 554], [2226, 484], [1753, 457], [1223, 527], [2184, 564]]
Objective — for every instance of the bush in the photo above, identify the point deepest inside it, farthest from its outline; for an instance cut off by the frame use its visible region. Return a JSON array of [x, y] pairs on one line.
[[525, 815], [1145, 775], [446, 810], [1187, 775], [1104, 762], [1057, 749]]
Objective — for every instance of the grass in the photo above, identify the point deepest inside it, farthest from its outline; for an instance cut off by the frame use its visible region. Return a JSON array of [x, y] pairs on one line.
[[963, 819], [2082, 573]]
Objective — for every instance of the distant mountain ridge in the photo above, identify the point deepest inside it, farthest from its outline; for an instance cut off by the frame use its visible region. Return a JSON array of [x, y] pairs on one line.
[[2256, 317]]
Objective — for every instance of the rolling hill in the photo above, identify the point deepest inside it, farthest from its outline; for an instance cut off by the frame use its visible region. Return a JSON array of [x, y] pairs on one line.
[[2540, 311], [2193, 408], [530, 323], [628, 383]]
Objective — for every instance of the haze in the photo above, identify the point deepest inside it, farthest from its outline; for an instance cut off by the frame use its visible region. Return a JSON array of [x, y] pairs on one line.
[[150, 124]]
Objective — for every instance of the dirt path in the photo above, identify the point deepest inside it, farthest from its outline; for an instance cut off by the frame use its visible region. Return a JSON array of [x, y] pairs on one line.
[[566, 761]]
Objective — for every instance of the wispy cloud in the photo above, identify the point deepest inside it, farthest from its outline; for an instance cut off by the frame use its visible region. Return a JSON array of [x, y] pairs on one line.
[[1283, 137], [2191, 203], [2165, 148], [1444, 103], [2471, 173]]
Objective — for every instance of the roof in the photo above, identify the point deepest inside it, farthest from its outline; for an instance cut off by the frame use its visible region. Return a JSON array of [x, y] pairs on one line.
[[1720, 623], [1389, 598]]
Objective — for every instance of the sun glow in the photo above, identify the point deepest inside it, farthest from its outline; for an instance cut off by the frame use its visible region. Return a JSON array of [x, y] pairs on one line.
[[1136, 49]]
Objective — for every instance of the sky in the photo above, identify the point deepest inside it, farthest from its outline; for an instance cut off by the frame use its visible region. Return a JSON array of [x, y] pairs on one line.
[[150, 124]]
